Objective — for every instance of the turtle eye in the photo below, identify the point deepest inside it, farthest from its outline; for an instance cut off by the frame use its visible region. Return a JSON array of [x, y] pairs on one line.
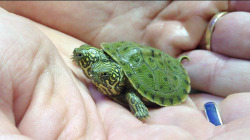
[[79, 54], [105, 74]]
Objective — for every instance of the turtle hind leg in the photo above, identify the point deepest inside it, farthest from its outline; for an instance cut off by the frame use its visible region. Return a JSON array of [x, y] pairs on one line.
[[183, 57], [136, 106]]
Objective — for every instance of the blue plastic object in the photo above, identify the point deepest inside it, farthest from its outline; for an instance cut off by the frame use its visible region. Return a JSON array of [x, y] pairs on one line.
[[212, 113]]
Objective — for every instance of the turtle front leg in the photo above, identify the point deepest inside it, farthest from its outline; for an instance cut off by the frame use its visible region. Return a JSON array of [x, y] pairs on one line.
[[136, 106]]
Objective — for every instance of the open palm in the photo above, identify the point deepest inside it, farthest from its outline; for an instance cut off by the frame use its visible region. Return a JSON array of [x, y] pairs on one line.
[[44, 95]]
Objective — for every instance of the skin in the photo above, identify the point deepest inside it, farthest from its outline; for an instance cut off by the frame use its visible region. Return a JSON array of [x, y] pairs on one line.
[[45, 96]]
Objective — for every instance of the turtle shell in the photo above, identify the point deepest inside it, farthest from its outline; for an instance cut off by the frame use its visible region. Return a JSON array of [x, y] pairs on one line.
[[156, 75]]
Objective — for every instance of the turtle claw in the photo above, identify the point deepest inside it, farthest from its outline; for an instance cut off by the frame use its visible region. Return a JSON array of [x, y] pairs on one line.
[[141, 111], [141, 116]]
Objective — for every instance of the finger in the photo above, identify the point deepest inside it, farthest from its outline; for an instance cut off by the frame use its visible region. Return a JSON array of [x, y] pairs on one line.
[[119, 123], [6, 125], [184, 117], [217, 74], [235, 107], [240, 134], [201, 98], [231, 35], [239, 5], [235, 116], [172, 26], [8, 129]]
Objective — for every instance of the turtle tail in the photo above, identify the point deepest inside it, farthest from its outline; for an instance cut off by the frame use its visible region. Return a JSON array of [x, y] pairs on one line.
[[183, 57]]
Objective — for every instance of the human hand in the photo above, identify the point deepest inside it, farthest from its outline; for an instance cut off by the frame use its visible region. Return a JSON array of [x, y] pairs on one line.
[[47, 99]]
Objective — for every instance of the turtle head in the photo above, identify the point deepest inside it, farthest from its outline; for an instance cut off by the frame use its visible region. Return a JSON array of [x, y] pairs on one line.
[[85, 56], [108, 77]]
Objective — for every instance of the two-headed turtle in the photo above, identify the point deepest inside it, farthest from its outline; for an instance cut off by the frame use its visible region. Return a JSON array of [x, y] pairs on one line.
[[135, 75]]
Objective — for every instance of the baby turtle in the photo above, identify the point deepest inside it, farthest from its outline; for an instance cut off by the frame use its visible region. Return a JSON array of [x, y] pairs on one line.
[[135, 75]]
